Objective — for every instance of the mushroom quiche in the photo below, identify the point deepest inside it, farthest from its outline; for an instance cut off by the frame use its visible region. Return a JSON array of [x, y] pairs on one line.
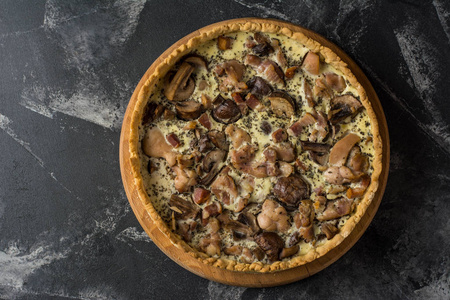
[[255, 148]]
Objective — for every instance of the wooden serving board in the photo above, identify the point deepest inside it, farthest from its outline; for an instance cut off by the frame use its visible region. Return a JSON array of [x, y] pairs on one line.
[[252, 279]]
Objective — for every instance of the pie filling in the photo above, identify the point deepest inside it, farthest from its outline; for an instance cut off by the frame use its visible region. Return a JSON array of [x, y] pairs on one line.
[[255, 149]]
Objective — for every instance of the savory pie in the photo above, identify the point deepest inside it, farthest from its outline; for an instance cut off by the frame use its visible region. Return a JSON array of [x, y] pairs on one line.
[[254, 148]]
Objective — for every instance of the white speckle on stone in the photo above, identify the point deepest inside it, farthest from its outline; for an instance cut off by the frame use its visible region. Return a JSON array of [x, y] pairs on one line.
[[220, 291], [17, 264], [444, 16], [132, 233]]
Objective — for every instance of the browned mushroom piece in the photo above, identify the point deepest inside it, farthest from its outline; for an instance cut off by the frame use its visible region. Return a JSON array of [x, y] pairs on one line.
[[315, 147], [291, 190], [343, 107], [287, 252], [263, 48], [197, 61], [224, 42], [211, 165], [329, 230], [311, 63], [152, 112], [237, 97], [271, 243], [188, 209], [247, 218], [204, 144], [189, 110], [282, 104], [181, 86], [259, 86], [226, 111], [290, 72], [219, 139]]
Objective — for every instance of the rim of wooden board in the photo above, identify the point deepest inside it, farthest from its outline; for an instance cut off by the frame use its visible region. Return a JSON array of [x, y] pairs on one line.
[[253, 279]]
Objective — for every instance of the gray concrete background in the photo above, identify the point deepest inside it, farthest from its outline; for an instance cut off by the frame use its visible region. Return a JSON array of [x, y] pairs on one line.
[[67, 71]]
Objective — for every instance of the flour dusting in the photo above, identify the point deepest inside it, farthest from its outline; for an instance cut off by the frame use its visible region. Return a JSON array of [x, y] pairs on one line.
[[132, 233], [17, 264], [444, 17], [219, 291]]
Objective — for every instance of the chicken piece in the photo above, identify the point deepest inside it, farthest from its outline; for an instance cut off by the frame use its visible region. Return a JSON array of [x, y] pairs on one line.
[[322, 127], [185, 179], [359, 191], [297, 128], [285, 152], [281, 58], [339, 175], [211, 244], [201, 195], [357, 161], [340, 151], [311, 63], [285, 169], [238, 136], [154, 145], [273, 217], [336, 209], [321, 89], [335, 82], [305, 214], [234, 72], [279, 135], [213, 225], [186, 229], [268, 69], [224, 187]]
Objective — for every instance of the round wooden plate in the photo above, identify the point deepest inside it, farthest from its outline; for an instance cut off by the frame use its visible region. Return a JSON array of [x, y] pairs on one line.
[[250, 279]]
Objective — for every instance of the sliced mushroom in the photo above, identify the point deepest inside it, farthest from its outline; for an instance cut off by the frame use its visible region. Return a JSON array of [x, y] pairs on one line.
[[211, 164], [341, 150], [247, 218], [204, 144], [271, 243], [291, 190], [259, 86], [182, 85], [226, 112], [219, 139], [197, 60], [152, 112], [189, 110], [315, 147], [343, 107], [329, 230], [188, 209], [287, 252], [282, 104]]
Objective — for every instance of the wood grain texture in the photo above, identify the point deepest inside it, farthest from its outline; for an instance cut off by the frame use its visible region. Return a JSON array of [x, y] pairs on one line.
[[250, 279]]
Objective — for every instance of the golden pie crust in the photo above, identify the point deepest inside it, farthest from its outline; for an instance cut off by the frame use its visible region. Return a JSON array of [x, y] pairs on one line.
[[330, 58]]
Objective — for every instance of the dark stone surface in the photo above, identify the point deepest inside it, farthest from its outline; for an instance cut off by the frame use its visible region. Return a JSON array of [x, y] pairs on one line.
[[68, 69]]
